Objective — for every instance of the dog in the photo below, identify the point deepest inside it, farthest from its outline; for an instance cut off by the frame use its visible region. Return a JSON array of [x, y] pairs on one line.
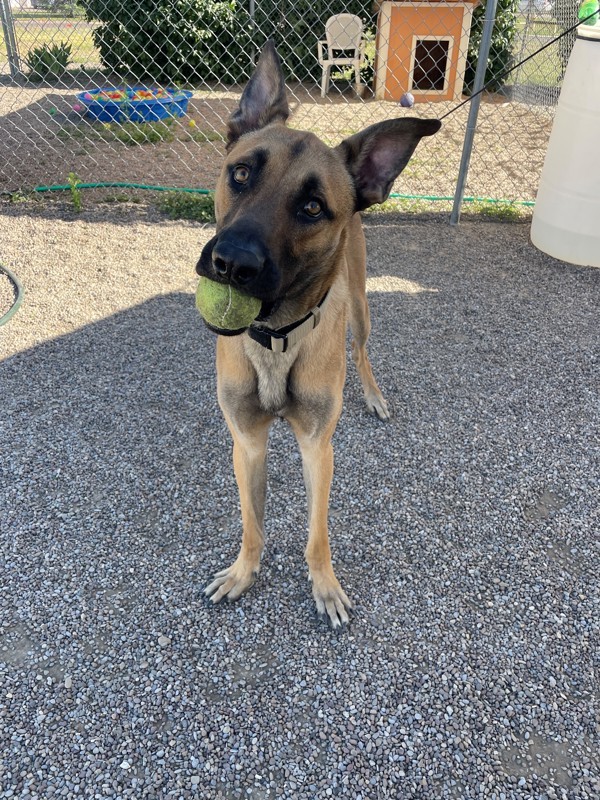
[[289, 233]]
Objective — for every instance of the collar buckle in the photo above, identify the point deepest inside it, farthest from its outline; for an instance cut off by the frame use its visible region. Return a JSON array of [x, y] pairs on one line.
[[279, 340]]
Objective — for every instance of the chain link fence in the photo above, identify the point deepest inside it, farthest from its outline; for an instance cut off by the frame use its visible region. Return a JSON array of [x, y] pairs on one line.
[[140, 90]]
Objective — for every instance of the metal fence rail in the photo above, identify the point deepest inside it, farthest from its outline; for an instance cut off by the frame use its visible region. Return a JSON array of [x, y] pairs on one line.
[[194, 57]]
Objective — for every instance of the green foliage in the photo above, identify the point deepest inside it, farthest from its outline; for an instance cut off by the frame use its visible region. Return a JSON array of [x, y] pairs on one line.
[[48, 62], [75, 183], [191, 41], [137, 133], [18, 197], [501, 211], [132, 133], [185, 205], [185, 40], [503, 34], [367, 70], [201, 136]]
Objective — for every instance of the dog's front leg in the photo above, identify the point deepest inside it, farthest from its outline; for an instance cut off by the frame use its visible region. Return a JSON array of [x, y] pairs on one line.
[[317, 465], [249, 464], [249, 427]]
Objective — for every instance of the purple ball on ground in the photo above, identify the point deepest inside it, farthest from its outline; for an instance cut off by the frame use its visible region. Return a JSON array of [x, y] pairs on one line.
[[407, 100]]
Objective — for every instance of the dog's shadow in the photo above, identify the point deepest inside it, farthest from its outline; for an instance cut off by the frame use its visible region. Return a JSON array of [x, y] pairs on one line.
[[113, 437], [121, 415], [113, 450]]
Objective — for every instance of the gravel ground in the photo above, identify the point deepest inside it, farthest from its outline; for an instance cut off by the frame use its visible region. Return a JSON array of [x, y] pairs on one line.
[[465, 530]]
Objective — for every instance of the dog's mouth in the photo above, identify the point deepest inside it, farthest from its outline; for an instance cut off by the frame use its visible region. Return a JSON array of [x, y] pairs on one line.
[[267, 310], [244, 263], [239, 258]]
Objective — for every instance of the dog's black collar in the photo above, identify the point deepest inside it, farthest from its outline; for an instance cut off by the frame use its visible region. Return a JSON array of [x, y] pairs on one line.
[[280, 340]]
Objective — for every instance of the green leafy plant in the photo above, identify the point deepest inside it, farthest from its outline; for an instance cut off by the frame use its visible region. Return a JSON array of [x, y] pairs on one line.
[[185, 205], [48, 62], [367, 70], [121, 197], [501, 211], [176, 42], [18, 197], [503, 34], [74, 184]]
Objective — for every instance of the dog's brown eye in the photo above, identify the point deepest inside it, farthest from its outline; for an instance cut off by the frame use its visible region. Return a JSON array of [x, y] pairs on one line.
[[241, 174], [313, 208]]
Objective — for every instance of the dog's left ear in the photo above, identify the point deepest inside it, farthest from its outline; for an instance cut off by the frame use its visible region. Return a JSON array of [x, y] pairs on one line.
[[376, 156], [263, 100]]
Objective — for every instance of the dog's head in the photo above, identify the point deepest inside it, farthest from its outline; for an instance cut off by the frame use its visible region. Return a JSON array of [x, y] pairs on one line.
[[284, 199]]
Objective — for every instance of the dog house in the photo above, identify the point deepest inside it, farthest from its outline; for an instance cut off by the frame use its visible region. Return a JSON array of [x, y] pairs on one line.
[[422, 49]]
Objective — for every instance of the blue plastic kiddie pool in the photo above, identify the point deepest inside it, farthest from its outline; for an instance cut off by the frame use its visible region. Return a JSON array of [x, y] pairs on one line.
[[136, 103]]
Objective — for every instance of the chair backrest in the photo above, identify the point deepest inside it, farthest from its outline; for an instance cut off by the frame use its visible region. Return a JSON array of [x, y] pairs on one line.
[[343, 32]]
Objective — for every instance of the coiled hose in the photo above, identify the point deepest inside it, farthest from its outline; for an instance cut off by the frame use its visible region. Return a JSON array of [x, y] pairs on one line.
[[18, 295]]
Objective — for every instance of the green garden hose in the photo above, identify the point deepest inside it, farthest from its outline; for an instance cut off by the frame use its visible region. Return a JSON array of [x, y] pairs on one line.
[[19, 295], [393, 196], [119, 185]]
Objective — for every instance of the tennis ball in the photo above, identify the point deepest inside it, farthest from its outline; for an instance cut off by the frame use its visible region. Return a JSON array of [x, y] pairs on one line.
[[224, 307], [407, 100]]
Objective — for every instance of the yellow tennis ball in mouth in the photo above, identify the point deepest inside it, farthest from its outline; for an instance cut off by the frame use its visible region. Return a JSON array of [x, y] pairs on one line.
[[224, 307]]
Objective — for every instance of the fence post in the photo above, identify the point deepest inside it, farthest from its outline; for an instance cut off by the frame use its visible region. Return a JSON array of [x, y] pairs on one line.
[[482, 60], [8, 28]]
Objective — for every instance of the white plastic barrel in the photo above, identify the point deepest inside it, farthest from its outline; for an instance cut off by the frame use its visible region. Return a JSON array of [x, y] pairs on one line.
[[566, 217]]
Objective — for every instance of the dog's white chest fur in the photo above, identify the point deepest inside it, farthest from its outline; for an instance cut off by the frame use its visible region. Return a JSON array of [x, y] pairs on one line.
[[272, 370]]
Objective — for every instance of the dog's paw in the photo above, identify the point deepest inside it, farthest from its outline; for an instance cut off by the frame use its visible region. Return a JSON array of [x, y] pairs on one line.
[[232, 582], [331, 600], [376, 404]]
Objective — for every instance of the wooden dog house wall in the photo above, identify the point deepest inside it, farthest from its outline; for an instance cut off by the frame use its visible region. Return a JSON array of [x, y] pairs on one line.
[[422, 49]]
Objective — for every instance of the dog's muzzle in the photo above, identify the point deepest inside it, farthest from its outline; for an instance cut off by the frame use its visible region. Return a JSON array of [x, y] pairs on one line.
[[238, 257], [237, 262]]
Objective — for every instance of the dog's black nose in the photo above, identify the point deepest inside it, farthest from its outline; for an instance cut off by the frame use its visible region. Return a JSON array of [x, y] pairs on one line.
[[239, 262]]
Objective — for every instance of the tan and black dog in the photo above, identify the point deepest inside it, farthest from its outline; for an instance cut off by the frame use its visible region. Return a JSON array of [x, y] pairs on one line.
[[289, 233]]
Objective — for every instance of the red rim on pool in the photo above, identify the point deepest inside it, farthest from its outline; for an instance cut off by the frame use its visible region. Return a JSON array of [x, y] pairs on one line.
[[135, 104]]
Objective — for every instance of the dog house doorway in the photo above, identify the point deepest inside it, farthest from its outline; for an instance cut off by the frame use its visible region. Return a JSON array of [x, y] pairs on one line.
[[431, 57]]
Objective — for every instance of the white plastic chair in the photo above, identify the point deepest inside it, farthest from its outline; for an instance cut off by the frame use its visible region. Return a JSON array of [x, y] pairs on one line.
[[343, 46]]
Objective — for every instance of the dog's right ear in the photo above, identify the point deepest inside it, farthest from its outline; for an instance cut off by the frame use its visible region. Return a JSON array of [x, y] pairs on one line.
[[264, 100]]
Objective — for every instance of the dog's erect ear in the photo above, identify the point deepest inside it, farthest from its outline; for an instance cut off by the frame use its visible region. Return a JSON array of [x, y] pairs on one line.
[[376, 156], [263, 100]]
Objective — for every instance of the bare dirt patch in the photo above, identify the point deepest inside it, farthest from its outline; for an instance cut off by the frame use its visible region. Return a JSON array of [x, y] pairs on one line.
[[42, 139]]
